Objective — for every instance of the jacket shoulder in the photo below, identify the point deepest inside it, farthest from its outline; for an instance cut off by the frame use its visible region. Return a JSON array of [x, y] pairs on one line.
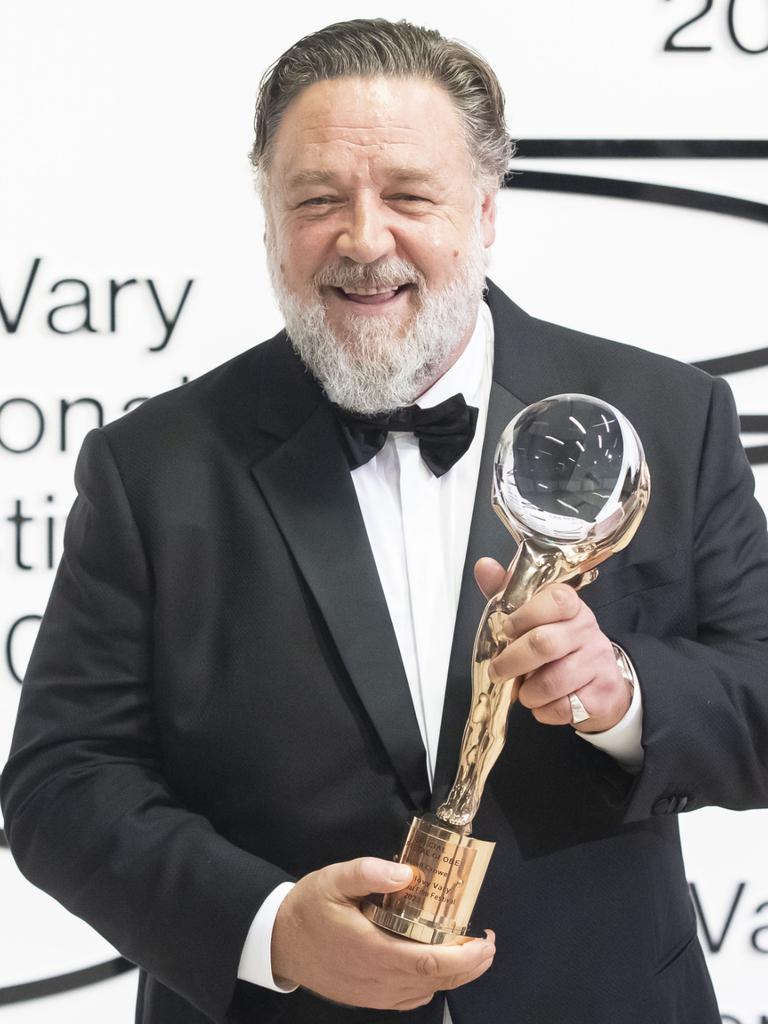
[[621, 358], [229, 382], [539, 358]]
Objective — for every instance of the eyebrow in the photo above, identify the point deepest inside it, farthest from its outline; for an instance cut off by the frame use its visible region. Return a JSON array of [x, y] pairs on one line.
[[310, 177], [316, 176]]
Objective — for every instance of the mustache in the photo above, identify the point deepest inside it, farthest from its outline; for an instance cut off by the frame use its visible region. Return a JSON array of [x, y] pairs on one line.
[[389, 273]]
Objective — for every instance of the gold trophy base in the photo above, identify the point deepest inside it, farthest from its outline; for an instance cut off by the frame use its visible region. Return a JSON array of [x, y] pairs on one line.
[[448, 869]]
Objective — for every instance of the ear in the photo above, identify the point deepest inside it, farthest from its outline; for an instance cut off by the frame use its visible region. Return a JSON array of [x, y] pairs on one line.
[[488, 217]]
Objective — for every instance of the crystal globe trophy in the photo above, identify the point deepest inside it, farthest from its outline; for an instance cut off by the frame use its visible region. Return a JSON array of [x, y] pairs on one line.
[[571, 485]]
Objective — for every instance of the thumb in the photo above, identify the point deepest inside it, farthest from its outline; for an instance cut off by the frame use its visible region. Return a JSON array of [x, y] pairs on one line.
[[355, 878], [489, 575]]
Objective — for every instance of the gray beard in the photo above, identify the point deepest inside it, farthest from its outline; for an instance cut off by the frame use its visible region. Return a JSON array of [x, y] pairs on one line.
[[374, 365]]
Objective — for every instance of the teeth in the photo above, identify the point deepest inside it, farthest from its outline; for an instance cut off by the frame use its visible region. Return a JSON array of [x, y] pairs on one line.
[[370, 291]]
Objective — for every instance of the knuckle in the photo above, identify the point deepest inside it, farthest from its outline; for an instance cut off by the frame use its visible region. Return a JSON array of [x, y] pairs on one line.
[[540, 690], [498, 668], [609, 658], [540, 642], [604, 686], [427, 965], [509, 626], [566, 599], [589, 616], [363, 868], [525, 696]]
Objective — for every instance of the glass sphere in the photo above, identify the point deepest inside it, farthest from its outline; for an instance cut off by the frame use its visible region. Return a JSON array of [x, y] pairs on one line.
[[565, 466]]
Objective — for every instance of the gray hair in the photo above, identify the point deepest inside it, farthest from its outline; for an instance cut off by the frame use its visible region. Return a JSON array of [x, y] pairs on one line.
[[366, 48]]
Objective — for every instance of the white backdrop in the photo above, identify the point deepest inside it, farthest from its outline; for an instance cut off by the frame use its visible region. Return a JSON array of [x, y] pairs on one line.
[[123, 140]]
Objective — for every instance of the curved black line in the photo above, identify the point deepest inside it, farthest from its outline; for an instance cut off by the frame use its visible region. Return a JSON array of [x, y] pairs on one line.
[[670, 195], [657, 149], [722, 365], [754, 423], [757, 455], [64, 982], [647, 192]]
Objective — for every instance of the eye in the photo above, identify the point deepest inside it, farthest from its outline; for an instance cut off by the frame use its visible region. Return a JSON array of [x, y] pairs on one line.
[[318, 201], [406, 197]]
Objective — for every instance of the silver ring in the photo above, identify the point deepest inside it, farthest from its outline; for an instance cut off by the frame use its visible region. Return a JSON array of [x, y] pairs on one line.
[[578, 712]]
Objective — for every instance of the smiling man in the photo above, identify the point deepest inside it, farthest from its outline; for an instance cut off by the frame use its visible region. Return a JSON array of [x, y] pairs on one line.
[[254, 666], [377, 228]]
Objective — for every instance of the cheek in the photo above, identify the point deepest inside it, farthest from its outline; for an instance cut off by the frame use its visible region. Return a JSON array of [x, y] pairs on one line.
[[302, 253], [438, 251], [309, 243], [439, 262]]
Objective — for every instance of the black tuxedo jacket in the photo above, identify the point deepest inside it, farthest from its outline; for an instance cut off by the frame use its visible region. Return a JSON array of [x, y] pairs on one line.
[[216, 702]]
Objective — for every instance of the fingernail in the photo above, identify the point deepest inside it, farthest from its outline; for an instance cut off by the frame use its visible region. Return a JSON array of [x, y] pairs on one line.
[[401, 873]]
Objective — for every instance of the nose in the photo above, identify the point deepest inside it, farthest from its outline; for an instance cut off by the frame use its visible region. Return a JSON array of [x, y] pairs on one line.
[[366, 237]]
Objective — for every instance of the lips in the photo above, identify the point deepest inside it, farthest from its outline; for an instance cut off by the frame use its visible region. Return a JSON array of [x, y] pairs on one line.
[[370, 296]]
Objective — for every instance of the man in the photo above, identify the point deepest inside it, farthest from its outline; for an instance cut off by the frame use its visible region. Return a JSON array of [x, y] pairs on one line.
[[254, 667]]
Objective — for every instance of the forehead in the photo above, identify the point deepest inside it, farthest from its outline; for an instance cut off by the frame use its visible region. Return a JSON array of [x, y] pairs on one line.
[[340, 124]]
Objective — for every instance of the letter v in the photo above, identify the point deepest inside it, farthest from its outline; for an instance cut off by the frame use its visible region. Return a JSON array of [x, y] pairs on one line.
[[715, 943], [11, 324]]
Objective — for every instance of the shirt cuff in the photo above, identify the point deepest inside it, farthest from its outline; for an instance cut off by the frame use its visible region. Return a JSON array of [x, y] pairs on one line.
[[623, 742], [256, 959]]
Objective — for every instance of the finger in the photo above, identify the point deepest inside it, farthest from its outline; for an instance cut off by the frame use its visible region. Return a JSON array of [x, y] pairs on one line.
[[559, 712], [463, 979], [557, 679], [439, 964], [601, 707], [555, 603], [353, 879], [489, 575], [539, 647], [606, 704], [447, 984]]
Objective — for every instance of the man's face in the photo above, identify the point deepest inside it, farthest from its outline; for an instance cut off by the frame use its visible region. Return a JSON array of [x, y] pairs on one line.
[[373, 214]]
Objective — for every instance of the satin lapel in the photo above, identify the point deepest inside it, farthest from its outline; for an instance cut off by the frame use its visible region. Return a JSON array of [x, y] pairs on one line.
[[487, 536], [307, 485]]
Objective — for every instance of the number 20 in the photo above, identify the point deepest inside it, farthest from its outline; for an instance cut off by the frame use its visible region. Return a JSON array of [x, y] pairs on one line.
[[671, 46]]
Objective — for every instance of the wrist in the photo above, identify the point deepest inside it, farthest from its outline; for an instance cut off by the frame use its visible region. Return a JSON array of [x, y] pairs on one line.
[[283, 945], [590, 726]]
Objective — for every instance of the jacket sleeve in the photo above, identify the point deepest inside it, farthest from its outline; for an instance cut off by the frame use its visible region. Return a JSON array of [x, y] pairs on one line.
[[705, 699], [89, 816]]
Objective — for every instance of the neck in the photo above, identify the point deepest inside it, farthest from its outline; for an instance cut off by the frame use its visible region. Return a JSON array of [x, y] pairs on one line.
[[451, 359]]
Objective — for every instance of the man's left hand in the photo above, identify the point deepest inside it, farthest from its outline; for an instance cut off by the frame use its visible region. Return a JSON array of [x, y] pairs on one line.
[[557, 645]]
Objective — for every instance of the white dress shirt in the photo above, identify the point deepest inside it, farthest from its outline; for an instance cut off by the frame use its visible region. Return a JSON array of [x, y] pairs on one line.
[[418, 529]]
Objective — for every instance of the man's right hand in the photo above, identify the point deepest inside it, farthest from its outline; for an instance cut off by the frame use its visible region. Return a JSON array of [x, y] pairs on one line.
[[322, 941]]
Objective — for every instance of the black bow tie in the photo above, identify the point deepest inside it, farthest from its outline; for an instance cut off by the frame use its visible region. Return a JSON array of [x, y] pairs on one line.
[[445, 432]]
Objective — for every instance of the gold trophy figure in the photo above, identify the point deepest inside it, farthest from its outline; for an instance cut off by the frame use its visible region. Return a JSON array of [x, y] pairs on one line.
[[571, 485]]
